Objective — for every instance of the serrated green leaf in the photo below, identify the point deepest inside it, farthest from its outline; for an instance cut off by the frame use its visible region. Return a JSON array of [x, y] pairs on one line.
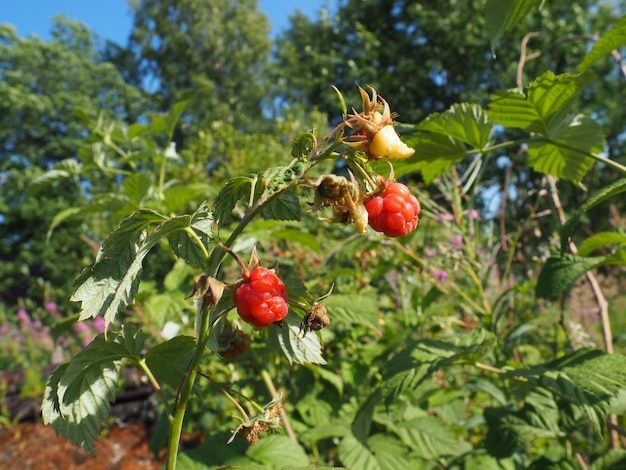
[[303, 145], [598, 197], [441, 140], [429, 437], [502, 15], [389, 452], [611, 40], [587, 378], [559, 273], [168, 361], [543, 108], [111, 284], [279, 178], [613, 459], [600, 240], [354, 309], [87, 364], [233, 191], [422, 358], [566, 154], [286, 206], [193, 243], [468, 123], [434, 155], [297, 347], [353, 454], [275, 450], [137, 186], [78, 394], [511, 430]]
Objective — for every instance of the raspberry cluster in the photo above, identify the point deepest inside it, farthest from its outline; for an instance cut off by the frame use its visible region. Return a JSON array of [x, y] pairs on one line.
[[261, 299], [394, 211]]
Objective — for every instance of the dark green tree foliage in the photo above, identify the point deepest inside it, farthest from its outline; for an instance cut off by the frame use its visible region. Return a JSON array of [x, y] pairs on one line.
[[420, 55], [42, 83], [424, 56], [215, 47]]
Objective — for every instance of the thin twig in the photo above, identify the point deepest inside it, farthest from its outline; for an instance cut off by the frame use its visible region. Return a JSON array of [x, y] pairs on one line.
[[524, 57], [275, 396]]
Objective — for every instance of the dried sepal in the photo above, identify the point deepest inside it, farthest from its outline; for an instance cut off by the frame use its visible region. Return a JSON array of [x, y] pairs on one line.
[[207, 288], [374, 132]]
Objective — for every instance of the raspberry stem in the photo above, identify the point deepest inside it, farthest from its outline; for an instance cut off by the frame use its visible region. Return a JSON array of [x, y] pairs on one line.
[[244, 269]]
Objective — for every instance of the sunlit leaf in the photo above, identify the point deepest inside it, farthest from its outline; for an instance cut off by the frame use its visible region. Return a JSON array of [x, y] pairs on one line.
[[178, 196], [78, 394], [96, 205], [563, 145], [422, 358], [600, 240], [543, 107], [468, 123], [566, 155], [612, 459], [390, 453], [353, 309], [111, 284], [166, 123], [611, 40], [443, 139], [303, 145], [596, 198]]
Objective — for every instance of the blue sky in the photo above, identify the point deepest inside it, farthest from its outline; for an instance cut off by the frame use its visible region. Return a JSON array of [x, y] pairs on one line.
[[112, 20]]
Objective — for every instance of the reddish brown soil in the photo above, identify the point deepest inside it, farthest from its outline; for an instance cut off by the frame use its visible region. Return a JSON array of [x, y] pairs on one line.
[[29, 446]]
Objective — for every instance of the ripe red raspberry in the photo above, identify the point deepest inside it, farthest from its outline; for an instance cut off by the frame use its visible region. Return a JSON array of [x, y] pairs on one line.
[[261, 299], [394, 211]]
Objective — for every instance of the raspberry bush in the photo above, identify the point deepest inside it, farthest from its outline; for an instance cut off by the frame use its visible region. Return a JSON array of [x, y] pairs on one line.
[[441, 366]]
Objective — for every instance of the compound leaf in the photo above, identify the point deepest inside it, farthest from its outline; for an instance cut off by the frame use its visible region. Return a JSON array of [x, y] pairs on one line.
[[111, 284], [588, 378], [78, 394]]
